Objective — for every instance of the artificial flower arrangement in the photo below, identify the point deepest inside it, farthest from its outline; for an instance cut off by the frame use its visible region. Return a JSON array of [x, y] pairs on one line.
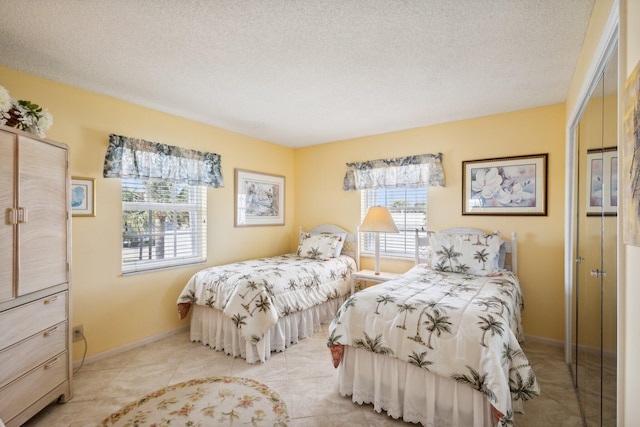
[[23, 115]]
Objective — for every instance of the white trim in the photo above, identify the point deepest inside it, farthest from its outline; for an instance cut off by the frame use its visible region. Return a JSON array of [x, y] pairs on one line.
[[131, 346], [602, 54], [621, 293]]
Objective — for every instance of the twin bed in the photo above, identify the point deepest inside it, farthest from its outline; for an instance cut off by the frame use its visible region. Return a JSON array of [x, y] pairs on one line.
[[439, 345], [251, 308]]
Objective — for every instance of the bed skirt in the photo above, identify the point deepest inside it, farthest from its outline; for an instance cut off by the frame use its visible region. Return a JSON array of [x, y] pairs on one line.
[[211, 327], [409, 392]]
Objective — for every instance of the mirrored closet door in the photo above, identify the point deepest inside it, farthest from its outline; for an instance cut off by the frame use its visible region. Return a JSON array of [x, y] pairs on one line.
[[594, 308]]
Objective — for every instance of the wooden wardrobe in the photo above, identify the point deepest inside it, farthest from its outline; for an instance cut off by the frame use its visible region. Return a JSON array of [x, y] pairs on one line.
[[35, 258]]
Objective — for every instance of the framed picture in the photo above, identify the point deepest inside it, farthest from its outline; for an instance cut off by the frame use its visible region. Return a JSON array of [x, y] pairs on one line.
[[505, 186], [602, 182], [259, 199], [630, 154], [83, 196]]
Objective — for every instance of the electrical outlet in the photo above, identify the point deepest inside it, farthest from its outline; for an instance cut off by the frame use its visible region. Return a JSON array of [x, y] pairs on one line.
[[78, 333]]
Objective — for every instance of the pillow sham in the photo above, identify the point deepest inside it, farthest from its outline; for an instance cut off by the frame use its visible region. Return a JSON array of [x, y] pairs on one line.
[[475, 254], [341, 239], [317, 246], [339, 246]]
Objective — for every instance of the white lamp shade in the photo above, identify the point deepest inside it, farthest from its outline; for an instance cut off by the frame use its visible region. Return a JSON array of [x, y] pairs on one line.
[[379, 219]]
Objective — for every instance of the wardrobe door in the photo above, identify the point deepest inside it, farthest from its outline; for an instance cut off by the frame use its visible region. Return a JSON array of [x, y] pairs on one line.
[[608, 270], [7, 205], [595, 306], [589, 250], [43, 221]]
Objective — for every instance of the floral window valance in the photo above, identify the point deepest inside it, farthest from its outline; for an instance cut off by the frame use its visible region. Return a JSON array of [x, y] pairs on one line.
[[140, 159], [422, 170]]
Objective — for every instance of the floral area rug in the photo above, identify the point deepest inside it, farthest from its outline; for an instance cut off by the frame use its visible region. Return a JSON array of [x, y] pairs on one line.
[[215, 401]]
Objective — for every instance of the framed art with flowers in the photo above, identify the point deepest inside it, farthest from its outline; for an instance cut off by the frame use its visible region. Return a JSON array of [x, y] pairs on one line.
[[505, 186]]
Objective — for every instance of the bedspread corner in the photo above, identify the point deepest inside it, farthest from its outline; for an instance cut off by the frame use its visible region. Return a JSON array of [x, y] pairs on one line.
[[337, 350], [183, 309]]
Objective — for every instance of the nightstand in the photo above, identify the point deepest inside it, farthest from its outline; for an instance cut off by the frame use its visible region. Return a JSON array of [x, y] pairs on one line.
[[370, 276]]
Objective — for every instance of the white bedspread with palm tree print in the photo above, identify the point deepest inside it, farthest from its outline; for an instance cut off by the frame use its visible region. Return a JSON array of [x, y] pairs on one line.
[[255, 293], [455, 325]]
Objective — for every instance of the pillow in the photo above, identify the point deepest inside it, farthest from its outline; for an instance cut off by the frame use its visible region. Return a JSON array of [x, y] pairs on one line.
[[341, 239], [474, 254], [317, 246], [339, 246]]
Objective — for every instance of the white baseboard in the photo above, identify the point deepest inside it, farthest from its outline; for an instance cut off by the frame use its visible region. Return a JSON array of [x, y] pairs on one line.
[[130, 346]]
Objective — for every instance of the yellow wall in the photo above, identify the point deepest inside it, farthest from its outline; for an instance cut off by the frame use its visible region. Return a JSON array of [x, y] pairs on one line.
[[320, 169], [117, 310], [597, 21]]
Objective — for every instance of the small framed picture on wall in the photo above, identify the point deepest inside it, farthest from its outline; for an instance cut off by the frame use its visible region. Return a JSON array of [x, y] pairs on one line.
[[602, 182], [259, 199], [83, 196]]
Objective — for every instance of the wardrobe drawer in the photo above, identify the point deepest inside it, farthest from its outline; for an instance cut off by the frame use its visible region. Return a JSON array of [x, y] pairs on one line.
[[27, 354], [19, 394], [21, 322]]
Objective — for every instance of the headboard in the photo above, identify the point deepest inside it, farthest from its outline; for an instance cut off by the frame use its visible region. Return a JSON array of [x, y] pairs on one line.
[[351, 245], [511, 247]]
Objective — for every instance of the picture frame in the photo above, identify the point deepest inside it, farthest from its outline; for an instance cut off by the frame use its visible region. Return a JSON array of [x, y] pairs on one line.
[[630, 158], [505, 186], [83, 196], [259, 198], [602, 184]]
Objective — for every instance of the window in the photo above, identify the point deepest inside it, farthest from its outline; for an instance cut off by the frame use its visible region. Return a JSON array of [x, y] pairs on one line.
[[408, 207], [163, 225]]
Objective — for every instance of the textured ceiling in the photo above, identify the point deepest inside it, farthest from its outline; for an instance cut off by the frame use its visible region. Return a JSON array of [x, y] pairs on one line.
[[299, 73]]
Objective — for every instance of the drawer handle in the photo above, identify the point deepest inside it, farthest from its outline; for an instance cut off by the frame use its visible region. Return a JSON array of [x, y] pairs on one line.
[[22, 215], [12, 216], [50, 300], [50, 364], [51, 331]]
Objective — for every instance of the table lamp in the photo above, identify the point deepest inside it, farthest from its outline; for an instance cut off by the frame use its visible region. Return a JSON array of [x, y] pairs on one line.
[[378, 220]]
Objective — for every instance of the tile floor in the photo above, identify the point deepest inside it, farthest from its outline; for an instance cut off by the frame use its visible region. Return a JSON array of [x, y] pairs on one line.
[[303, 376]]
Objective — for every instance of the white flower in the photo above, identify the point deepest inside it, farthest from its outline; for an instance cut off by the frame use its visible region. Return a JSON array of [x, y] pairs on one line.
[[503, 197], [30, 117], [518, 194], [45, 121], [488, 183], [4, 116], [5, 100]]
